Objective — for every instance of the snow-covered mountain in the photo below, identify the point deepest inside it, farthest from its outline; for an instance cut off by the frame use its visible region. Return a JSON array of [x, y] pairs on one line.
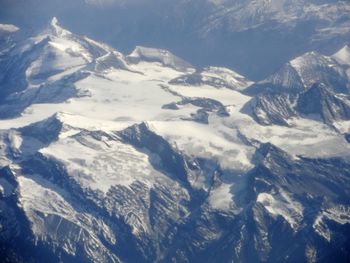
[[245, 15], [255, 37], [312, 85], [144, 158]]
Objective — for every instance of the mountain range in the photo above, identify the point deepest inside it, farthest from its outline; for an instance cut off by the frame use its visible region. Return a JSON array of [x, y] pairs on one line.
[[253, 37], [144, 157]]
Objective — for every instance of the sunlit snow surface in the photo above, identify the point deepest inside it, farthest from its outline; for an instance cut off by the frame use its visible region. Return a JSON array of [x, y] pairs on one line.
[[283, 205], [100, 164], [119, 98]]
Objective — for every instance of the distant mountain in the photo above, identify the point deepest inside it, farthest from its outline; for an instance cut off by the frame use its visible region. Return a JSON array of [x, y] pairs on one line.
[[253, 37], [312, 85], [214, 76], [157, 55], [302, 72], [145, 158]]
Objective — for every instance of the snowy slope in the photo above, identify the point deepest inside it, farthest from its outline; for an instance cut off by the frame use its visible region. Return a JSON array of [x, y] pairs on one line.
[[343, 55]]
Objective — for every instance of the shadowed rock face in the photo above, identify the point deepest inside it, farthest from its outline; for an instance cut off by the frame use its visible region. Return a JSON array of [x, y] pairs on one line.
[[271, 108], [318, 101], [321, 101]]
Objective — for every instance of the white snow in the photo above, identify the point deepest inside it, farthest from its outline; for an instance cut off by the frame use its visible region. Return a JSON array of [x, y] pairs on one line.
[[343, 55], [339, 214], [41, 200], [164, 57], [342, 126], [37, 194], [207, 141], [229, 76], [302, 64], [299, 139], [281, 204], [58, 56], [220, 198], [55, 29], [100, 164], [6, 189], [225, 96], [15, 140], [120, 98]]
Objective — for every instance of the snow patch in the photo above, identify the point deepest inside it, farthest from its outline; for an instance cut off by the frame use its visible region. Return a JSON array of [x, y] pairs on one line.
[[220, 198], [6, 189], [281, 204], [15, 141], [339, 214], [99, 163]]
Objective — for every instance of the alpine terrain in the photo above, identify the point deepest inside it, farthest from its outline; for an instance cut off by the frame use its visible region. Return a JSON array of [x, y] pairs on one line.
[[254, 37], [109, 157]]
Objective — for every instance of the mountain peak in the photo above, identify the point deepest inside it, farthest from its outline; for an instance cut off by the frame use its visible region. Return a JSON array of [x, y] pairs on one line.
[[55, 29], [165, 57], [343, 55], [54, 21]]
